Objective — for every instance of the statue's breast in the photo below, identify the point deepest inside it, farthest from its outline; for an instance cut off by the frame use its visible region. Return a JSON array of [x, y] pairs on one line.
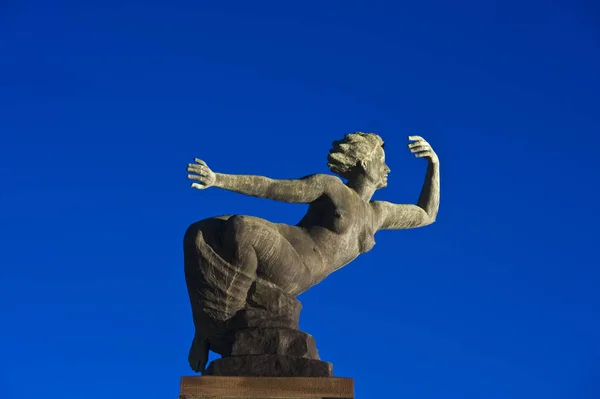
[[341, 221], [351, 221], [366, 241], [327, 214], [366, 237]]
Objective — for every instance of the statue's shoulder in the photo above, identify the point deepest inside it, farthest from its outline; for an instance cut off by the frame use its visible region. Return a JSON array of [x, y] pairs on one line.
[[329, 186], [331, 183], [330, 179]]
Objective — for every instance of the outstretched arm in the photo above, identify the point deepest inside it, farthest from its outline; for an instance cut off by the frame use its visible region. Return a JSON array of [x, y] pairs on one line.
[[304, 190], [400, 216]]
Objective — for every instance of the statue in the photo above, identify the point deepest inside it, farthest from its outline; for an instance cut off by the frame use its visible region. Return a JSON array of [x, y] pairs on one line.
[[243, 273]]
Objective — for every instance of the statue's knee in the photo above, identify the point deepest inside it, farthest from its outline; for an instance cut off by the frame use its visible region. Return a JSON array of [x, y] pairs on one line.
[[238, 228]]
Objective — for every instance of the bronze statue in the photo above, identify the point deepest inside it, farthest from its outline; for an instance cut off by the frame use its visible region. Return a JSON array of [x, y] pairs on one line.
[[244, 269]]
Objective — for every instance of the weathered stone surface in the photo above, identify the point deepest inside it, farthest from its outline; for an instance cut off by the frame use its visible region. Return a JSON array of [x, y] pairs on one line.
[[269, 366], [256, 317], [266, 295], [244, 272], [274, 341]]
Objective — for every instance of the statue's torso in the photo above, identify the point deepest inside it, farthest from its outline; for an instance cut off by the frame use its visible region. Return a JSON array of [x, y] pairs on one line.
[[342, 226], [337, 228]]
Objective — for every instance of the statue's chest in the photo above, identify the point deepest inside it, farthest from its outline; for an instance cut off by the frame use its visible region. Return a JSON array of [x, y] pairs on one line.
[[350, 221], [355, 224], [366, 240]]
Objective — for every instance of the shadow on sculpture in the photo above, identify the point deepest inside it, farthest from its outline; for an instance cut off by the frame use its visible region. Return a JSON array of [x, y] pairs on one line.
[[243, 273]]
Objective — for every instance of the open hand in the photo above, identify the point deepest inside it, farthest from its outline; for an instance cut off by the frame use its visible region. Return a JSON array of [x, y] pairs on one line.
[[204, 177], [421, 148]]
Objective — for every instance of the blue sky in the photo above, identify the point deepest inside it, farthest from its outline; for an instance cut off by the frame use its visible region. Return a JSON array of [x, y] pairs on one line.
[[103, 104]]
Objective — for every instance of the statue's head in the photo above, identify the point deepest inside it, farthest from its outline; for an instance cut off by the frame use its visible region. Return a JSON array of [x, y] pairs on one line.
[[359, 154]]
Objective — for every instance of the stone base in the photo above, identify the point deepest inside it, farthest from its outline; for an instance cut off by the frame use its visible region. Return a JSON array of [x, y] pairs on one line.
[[266, 388], [274, 341], [269, 366]]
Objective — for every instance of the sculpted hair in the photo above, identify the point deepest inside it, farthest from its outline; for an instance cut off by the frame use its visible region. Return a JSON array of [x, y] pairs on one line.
[[349, 151]]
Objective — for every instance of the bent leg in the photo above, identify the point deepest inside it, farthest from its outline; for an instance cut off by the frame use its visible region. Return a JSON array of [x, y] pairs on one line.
[[258, 248], [223, 257]]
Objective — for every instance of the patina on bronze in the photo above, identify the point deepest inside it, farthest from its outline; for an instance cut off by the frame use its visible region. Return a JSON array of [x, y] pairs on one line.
[[243, 273]]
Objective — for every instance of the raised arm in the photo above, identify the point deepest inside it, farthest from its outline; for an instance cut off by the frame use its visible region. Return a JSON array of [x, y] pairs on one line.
[[304, 190], [405, 216]]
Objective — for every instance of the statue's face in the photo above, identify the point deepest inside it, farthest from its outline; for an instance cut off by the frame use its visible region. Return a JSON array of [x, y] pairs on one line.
[[376, 169]]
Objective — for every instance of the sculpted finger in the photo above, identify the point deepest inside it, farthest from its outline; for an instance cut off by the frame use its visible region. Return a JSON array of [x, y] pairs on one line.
[[195, 170], [424, 154], [201, 179], [201, 162], [420, 148], [418, 143], [198, 186], [196, 166], [415, 138]]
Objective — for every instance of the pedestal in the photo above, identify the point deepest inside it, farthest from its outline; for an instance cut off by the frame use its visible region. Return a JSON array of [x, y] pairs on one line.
[[271, 352], [269, 366], [266, 388]]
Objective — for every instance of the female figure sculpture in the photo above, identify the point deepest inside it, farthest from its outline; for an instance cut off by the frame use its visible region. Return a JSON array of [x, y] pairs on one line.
[[227, 255]]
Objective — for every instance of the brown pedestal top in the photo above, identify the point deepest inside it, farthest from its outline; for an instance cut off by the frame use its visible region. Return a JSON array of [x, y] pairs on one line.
[[206, 387]]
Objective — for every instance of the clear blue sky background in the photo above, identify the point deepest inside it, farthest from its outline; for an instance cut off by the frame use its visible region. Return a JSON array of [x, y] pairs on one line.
[[102, 105]]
